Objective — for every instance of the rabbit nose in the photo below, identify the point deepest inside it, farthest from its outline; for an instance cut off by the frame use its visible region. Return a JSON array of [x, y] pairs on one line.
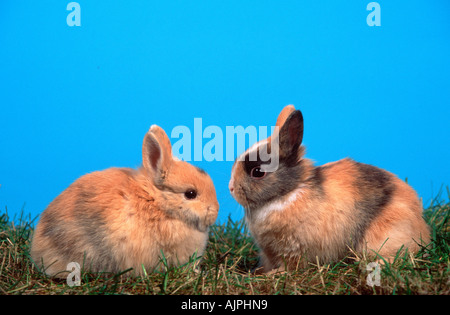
[[214, 208], [230, 186]]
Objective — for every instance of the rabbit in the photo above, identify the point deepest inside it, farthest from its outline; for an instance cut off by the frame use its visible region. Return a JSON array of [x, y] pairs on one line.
[[121, 218], [303, 213]]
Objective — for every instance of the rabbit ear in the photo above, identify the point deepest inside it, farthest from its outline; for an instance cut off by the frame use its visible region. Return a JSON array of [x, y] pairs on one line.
[[284, 114], [156, 152], [291, 133]]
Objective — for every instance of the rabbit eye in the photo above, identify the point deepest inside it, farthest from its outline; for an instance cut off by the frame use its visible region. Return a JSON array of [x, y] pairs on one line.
[[256, 172], [190, 194]]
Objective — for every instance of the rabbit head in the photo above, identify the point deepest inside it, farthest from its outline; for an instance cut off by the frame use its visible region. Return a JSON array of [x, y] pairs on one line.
[[185, 191], [254, 187]]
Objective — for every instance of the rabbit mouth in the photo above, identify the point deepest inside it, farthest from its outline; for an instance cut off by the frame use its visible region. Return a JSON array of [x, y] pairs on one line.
[[193, 220], [241, 196]]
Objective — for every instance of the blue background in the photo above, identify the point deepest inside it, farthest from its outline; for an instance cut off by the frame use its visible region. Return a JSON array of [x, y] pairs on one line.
[[78, 99]]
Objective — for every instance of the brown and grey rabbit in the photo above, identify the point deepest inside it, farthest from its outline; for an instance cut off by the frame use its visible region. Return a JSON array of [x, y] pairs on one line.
[[320, 212], [123, 218]]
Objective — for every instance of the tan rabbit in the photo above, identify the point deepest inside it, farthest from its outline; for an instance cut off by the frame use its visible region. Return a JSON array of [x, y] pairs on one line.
[[123, 218], [320, 212]]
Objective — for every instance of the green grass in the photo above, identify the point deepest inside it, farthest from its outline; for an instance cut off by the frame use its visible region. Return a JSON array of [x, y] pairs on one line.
[[226, 264]]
